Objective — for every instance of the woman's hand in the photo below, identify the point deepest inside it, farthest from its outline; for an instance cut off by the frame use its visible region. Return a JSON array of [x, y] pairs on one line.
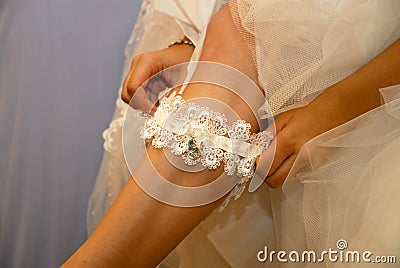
[[145, 66], [293, 129], [351, 97]]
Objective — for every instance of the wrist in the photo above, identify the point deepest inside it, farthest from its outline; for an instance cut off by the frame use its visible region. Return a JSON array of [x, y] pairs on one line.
[[343, 102], [359, 92], [176, 54]]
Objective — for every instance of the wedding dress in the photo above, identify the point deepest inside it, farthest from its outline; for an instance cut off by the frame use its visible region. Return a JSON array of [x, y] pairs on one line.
[[343, 183]]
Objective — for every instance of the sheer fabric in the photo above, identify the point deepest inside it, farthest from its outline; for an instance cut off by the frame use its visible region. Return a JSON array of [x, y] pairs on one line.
[[300, 48], [154, 30], [344, 185]]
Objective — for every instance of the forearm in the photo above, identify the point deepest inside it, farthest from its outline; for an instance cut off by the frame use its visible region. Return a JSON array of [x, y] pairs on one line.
[[359, 92], [340, 103]]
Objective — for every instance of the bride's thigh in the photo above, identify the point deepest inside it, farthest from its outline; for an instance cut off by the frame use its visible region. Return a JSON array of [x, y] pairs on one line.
[[224, 44], [139, 230]]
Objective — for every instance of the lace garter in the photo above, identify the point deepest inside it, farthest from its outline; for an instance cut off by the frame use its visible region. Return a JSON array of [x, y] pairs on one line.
[[201, 135]]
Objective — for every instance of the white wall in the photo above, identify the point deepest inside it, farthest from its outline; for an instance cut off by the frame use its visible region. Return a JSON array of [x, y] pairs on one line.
[[60, 67]]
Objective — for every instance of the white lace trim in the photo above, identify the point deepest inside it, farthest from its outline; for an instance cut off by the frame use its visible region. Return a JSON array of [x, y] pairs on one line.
[[201, 135], [113, 134]]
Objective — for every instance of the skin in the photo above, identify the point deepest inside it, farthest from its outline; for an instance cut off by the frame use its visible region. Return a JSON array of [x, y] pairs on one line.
[[145, 66], [347, 99], [139, 231]]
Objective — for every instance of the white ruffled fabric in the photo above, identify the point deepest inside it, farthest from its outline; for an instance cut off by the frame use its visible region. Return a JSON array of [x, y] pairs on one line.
[[343, 185], [302, 47]]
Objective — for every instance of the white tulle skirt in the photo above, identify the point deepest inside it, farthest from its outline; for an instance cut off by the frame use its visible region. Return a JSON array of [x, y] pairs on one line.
[[343, 185]]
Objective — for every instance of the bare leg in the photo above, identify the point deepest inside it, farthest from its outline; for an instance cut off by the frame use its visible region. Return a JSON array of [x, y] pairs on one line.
[[139, 231]]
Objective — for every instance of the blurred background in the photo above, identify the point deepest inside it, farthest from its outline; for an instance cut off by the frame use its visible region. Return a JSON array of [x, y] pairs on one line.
[[60, 68]]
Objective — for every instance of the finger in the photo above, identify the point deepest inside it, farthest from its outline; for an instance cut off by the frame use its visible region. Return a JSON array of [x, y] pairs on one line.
[[281, 122], [139, 101], [277, 178], [265, 160], [147, 66], [146, 106], [280, 149], [274, 154], [263, 164], [126, 97]]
